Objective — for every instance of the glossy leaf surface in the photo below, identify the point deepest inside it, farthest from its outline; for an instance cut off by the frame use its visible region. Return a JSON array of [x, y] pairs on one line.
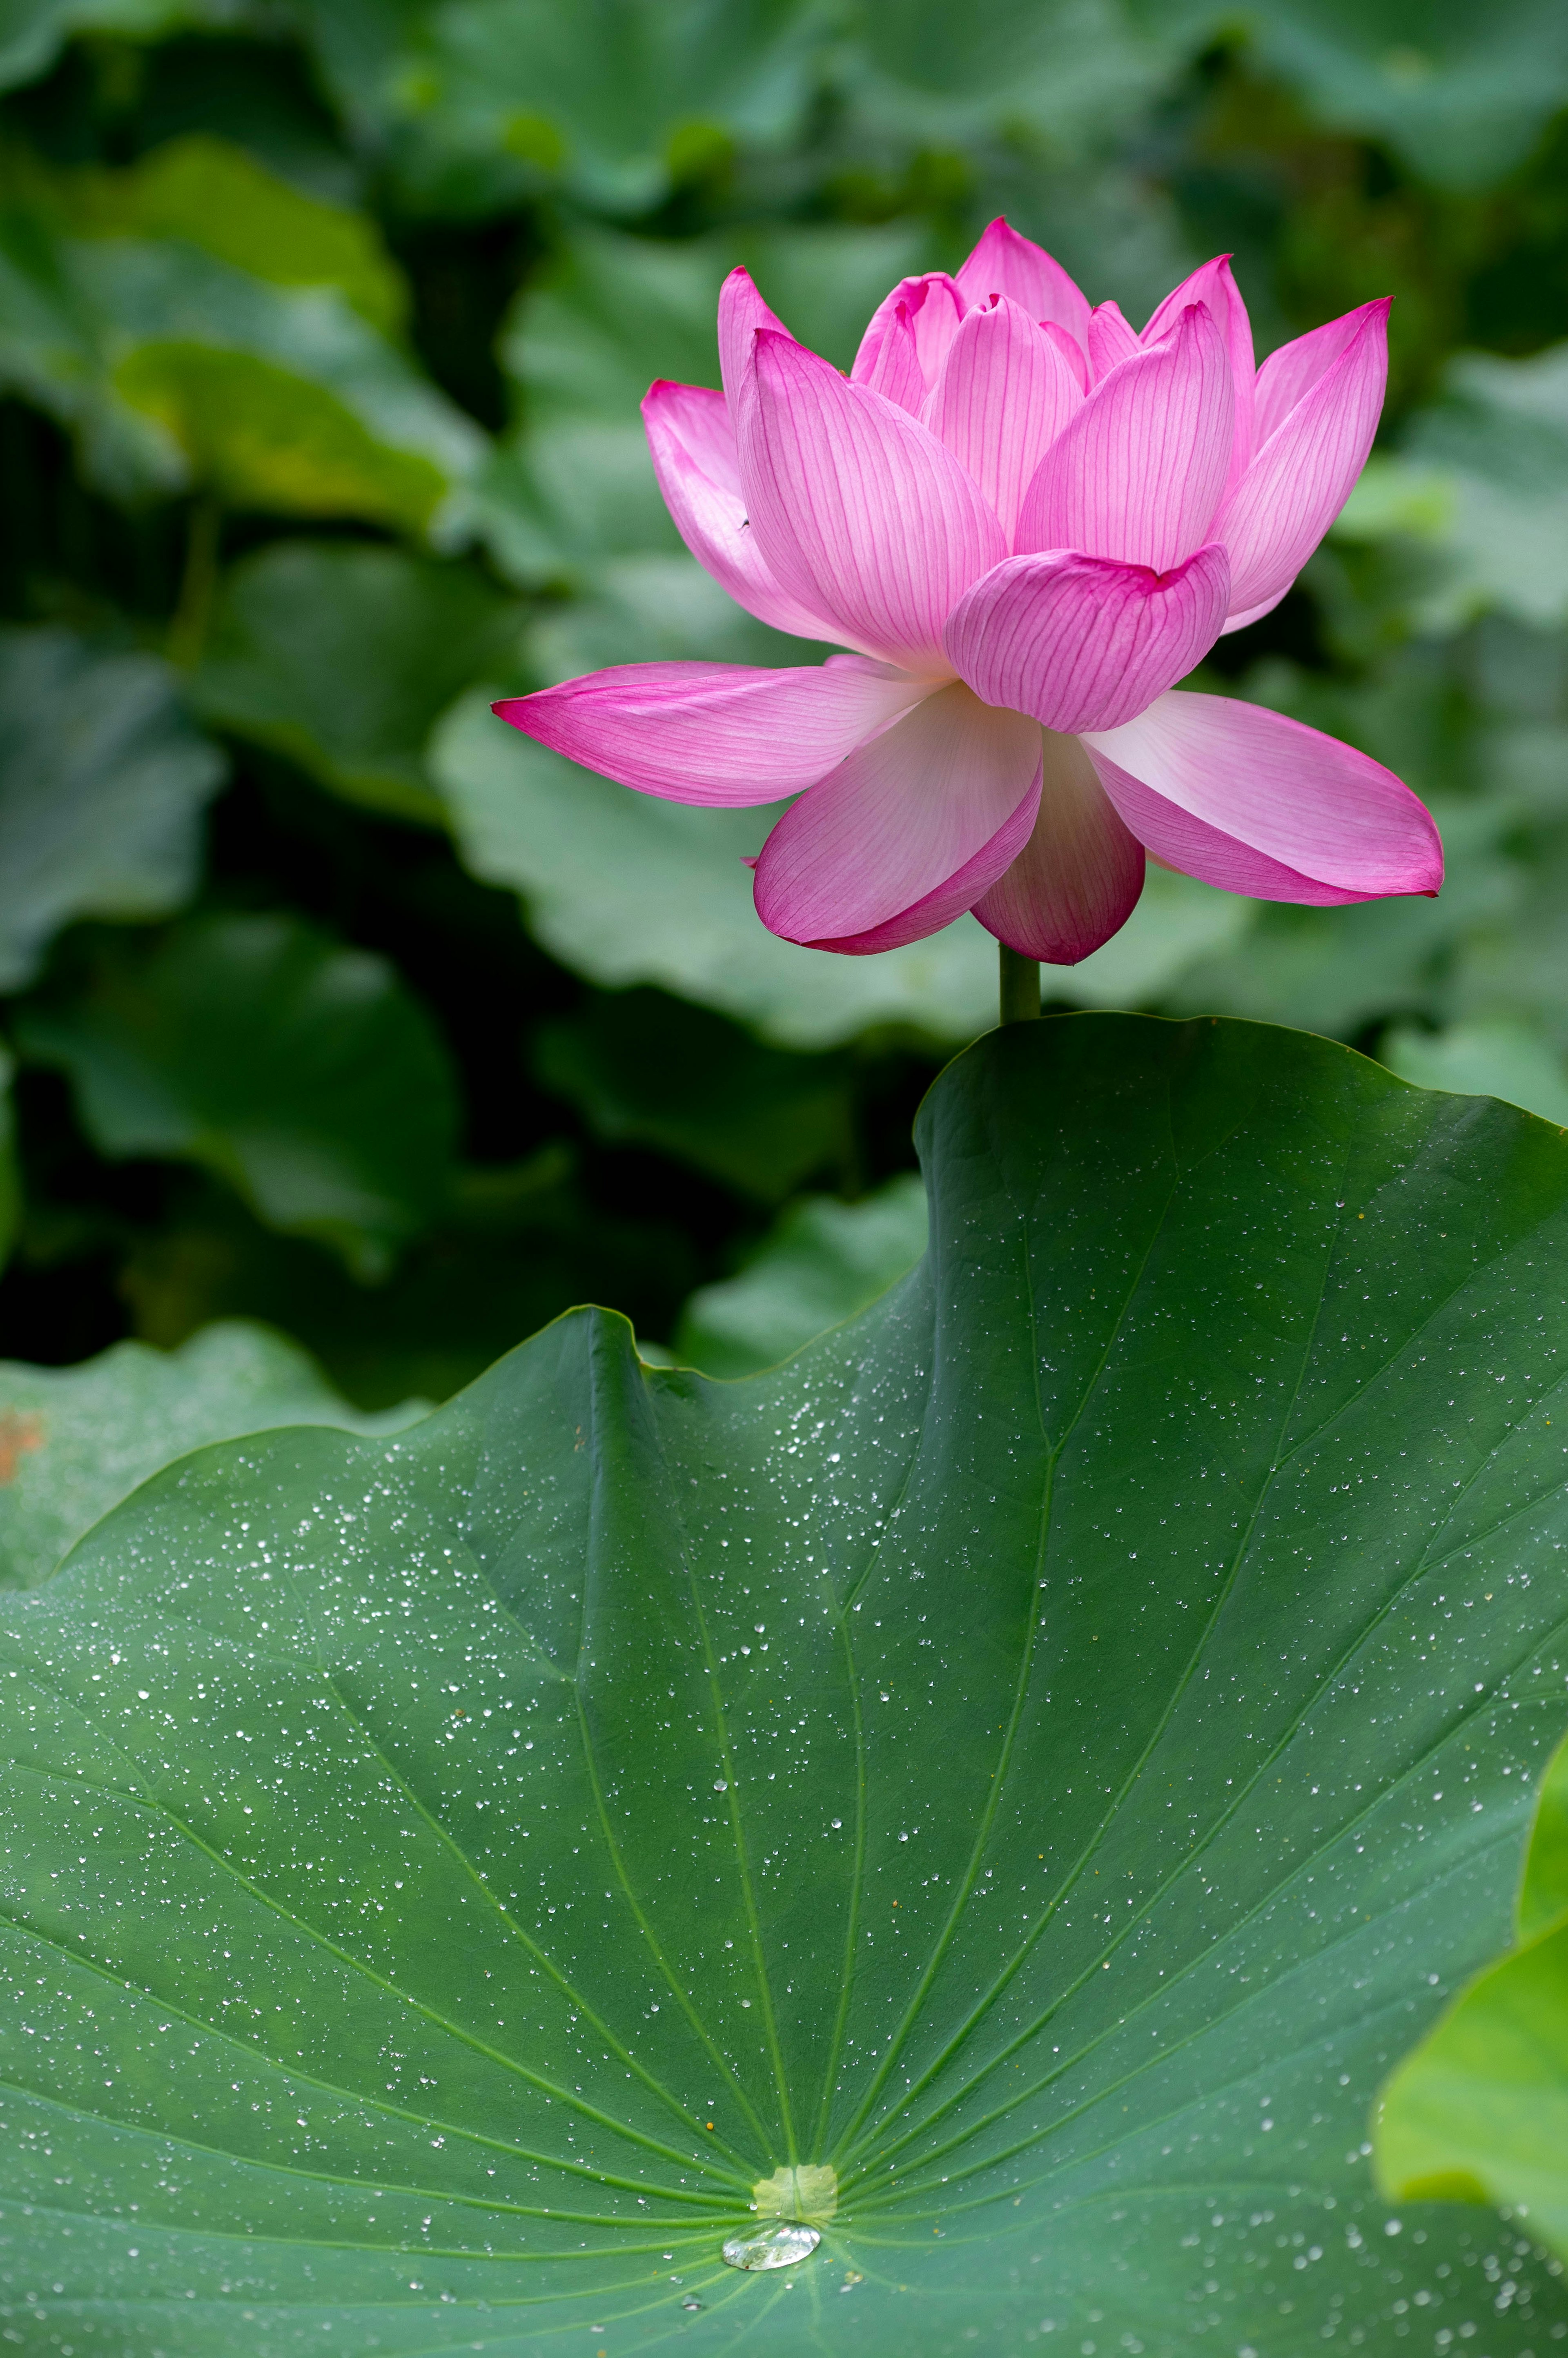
[[1039, 1754]]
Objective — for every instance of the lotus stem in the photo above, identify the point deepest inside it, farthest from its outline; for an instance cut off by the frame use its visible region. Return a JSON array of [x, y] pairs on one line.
[[1019, 978]]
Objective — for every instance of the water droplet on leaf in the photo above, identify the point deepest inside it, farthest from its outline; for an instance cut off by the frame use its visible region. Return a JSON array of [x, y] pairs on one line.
[[773, 2247]]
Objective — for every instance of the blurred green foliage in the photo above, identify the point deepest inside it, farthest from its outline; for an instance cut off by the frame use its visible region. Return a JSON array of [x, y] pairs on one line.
[[323, 324], [1477, 2112]]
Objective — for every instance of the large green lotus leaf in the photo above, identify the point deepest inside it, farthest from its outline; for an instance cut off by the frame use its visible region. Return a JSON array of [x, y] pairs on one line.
[[102, 783], [649, 1069], [575, 484], [1480, 2113], [1073, 70], [174, 366], [1460, 95], [1040, 1755], [494, 97], [626, 888], [342, 656], [1481, 481], [821, 1262], [210, 193], [75, 1441], [304, 1073]]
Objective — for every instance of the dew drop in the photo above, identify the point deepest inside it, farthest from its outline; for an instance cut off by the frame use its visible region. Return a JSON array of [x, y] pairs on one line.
[[689, 2303], [773, 2247]]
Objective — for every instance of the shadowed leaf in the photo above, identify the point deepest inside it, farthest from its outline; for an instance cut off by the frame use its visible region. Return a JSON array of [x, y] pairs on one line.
[[304, 1074]]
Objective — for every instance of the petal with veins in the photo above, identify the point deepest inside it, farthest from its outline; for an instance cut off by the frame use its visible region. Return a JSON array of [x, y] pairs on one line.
[[1005, 264], [726, 733], [933, 308], [859, 513], [1112, 339], [1288, 375], [1073, 353], [1137, 472], [741, 311], [1214, 285], [894, 369], [692, 442], [1268, 797], [1194, 848], [1004, 394], [908, 832], [1305, 471], [1083, 643], [1077, 878]]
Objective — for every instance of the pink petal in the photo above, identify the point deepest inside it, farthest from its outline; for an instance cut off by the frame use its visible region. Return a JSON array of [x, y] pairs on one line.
[[1305, 471], [1111, 340], [741, 311], [1230, 791], [1077, 878], [1073, 353], [945, 900], [1177, 839], [1214, 287], [1005, 264], [859, 513], [1004, 394], [1288, 375], [894, 370], [1082, 641], [696, 732], [1238, 622], [909, 830], [933, 308], [1137, 472], [692, 442]]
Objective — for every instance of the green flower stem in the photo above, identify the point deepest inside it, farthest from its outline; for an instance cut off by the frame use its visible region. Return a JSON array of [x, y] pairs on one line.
[[1020, 979]]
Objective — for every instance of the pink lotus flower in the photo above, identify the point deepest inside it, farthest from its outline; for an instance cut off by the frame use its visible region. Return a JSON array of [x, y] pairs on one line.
[[1027, 521]]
